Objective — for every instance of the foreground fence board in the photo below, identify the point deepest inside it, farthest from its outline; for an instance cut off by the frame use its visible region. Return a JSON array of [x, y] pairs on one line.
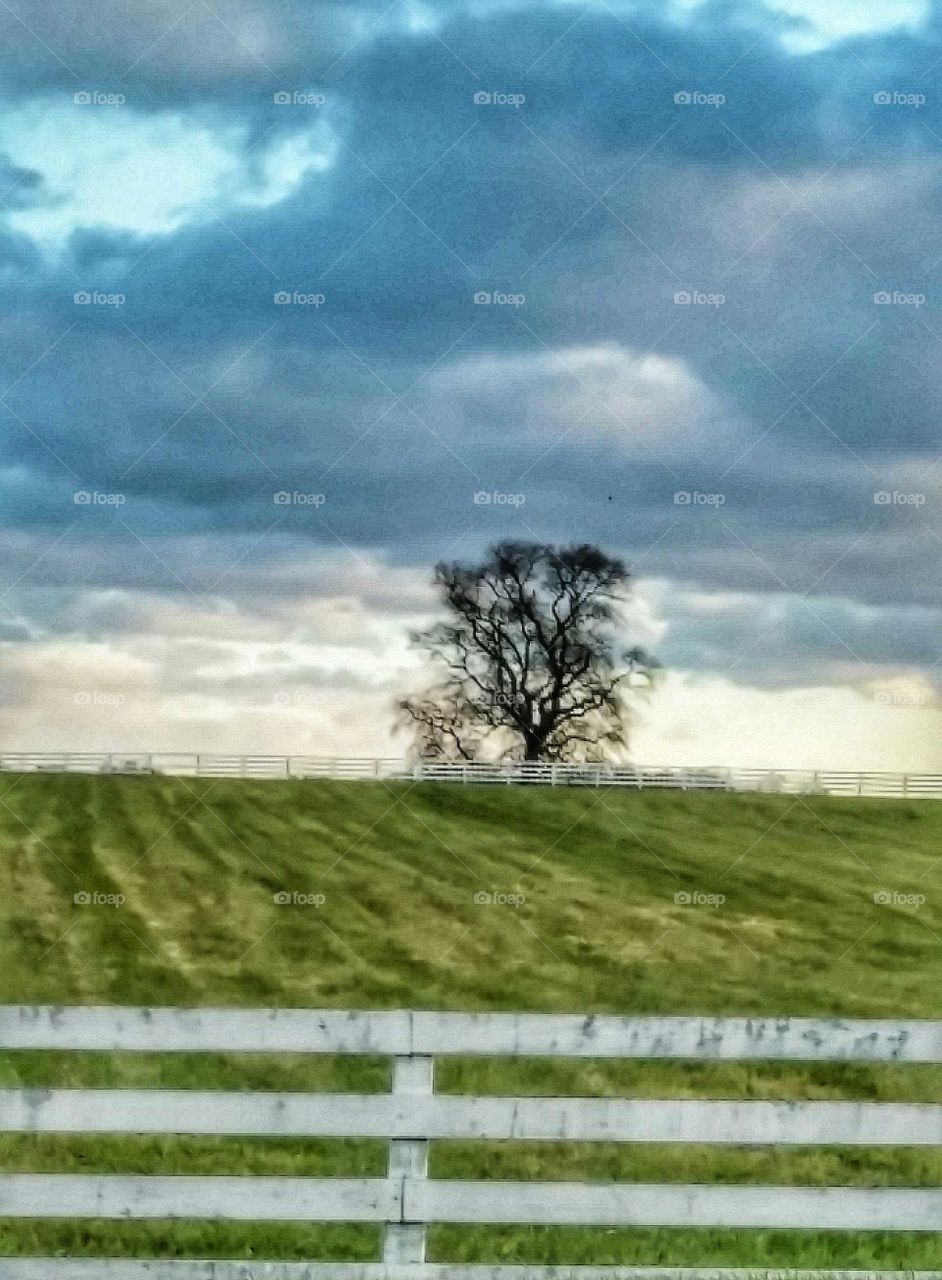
[[204, 1030], [130, 1269], [222, 1199], [400, 1033], [265, 1199], [194, 1111], [673, 1205]]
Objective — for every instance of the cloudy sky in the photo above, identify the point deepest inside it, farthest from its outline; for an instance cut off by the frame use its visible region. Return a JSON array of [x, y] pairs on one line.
[[291, 286]]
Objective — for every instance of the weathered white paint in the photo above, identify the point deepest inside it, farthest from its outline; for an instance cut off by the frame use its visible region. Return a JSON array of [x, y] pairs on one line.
[[111, 1028], [248, 1199], [130, 1269], [413, 1081], [410, 1117], [674, 1205], [419, 1200], [715, 1038], [401, 1033], [406, 1200]]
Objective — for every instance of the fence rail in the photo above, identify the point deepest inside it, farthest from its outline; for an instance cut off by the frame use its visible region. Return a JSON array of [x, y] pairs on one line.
[[835, 782], [129, 1269], [411, 1114]]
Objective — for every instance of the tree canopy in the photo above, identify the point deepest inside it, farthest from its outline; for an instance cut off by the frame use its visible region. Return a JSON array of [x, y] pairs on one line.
[[530, 657]]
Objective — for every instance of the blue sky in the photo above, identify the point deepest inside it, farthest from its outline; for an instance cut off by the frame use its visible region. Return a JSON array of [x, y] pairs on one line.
[[289, 286]]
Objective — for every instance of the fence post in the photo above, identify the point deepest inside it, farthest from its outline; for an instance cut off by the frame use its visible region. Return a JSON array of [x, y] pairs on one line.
[[404, 1242]]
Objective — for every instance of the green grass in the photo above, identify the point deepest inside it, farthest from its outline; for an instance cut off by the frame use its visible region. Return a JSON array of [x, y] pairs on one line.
[[598, 929]]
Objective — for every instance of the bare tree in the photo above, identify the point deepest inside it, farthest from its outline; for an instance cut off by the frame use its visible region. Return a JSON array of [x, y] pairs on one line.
[[531, 661]]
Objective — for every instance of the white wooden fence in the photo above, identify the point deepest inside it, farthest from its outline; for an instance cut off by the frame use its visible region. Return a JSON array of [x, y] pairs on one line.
[[406, 1200], [641, 777]]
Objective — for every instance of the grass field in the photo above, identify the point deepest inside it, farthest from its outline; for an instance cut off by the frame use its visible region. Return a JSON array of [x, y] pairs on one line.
[[192, 869]]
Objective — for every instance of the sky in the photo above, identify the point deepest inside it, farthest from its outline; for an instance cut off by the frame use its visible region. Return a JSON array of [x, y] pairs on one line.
[[302, 297]]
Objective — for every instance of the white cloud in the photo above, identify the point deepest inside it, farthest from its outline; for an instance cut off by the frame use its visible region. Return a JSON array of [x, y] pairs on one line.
[[647, 404], [115, 169], [709, 720], [822, 22]]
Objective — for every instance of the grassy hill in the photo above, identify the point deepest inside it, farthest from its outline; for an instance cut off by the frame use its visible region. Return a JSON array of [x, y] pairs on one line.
[[163, 891]]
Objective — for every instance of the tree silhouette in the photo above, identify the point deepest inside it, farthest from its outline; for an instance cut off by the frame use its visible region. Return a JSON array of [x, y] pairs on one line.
[[530, 657]]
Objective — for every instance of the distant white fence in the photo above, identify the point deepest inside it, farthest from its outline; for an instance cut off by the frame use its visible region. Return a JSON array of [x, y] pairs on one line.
[[406, 1200], [834, 782]]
